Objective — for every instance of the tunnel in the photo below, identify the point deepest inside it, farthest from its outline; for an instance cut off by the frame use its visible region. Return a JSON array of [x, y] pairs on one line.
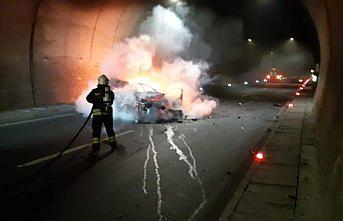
[[51, 49]]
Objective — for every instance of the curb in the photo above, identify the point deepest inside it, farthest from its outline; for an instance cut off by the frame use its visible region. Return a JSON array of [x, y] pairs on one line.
[[233, 203]]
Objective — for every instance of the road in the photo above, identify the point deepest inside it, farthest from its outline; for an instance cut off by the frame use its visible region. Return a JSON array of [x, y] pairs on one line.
[[174, 171]]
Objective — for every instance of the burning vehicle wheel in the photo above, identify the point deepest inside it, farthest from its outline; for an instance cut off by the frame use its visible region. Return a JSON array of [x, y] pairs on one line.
[[176, 115], [148, 113], [152, 107]]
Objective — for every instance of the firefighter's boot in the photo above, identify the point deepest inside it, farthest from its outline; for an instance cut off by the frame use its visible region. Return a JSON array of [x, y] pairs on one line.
[[95, 147], [113, 143]]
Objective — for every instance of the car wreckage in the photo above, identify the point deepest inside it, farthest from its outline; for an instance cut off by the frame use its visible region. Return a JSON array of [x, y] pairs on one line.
[[152, 106]]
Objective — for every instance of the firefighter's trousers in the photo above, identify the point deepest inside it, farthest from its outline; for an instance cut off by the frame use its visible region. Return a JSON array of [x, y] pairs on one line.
[[97, 122]]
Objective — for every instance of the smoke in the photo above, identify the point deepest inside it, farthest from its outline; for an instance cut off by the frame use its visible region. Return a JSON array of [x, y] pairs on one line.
[[291, 58], [216, 38], [227, 41], [156, 58], [167, 31]]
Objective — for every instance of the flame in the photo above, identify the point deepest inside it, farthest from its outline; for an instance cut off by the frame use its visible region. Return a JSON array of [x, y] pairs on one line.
[[145, 81], [151, 61]]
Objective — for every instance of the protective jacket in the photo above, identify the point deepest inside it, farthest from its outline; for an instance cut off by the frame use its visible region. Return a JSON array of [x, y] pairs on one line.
[[102, 99]]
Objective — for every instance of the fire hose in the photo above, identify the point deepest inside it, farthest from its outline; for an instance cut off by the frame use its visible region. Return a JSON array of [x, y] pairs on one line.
[[48, 164]]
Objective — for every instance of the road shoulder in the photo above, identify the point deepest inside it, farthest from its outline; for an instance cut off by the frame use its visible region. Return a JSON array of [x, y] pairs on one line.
[[283, 186]]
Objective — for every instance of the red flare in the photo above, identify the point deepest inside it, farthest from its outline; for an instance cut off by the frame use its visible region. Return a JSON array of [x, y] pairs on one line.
[[259, 155]]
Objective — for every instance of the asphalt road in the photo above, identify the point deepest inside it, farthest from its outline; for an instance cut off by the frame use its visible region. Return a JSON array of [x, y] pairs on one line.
[[175, 171]]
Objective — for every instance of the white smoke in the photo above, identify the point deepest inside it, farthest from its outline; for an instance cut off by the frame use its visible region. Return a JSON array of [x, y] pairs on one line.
[[81, 104], [154, 58], [292, 58], [167, 31]]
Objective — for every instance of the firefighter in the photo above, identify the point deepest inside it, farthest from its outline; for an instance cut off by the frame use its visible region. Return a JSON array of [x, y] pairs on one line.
[[102, 99]]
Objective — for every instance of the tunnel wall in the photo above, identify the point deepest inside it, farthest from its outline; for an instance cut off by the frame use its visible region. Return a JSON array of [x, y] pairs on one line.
[[328, 17], [51, 48], [16, 21]]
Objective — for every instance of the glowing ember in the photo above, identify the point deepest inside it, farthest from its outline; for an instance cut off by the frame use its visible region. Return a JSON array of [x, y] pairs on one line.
[[298, 94], [259, 155], [290, 105]]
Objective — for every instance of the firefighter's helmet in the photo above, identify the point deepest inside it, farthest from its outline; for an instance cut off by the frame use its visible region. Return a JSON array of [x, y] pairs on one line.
[[103, 80]]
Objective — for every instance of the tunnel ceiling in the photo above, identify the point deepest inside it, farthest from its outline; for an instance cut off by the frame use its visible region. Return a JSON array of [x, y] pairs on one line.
[[269, 22]]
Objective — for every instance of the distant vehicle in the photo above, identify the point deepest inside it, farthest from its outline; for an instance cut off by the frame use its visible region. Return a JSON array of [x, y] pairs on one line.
[[275, 76]]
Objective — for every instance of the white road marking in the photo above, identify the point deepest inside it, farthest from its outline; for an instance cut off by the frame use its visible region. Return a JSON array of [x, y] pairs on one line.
[[145, 168], [42, 159], [170, 133], [204, 198], [182, 136], [197, 210], [158, 177], [39, 119]]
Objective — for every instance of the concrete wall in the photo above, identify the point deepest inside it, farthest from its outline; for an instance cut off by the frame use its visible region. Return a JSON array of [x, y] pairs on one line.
[[52, 48], [15, 26], [328, 17]]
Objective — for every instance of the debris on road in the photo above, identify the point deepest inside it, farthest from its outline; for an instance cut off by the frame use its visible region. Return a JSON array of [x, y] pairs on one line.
[[119, 216]]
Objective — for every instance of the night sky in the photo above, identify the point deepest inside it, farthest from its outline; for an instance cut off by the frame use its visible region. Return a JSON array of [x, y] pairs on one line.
[[269, 22]]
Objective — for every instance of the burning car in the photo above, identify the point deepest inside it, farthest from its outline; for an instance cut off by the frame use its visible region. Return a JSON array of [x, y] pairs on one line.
[[152, 106], [142, 103]]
